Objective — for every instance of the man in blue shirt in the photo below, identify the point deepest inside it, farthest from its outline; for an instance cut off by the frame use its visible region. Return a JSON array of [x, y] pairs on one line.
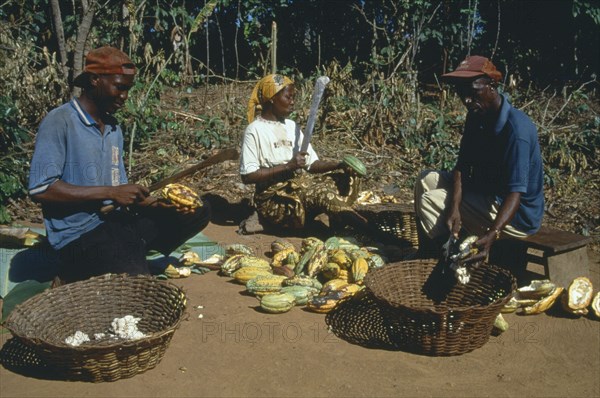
[[77, 167], [496, 187]]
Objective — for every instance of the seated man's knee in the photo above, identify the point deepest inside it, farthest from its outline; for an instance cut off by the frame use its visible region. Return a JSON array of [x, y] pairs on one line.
[[430, 213], [429, 179], [424, 173]]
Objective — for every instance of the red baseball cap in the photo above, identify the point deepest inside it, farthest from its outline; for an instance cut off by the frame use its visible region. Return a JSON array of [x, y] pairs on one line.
[[105, 61], [472, 67]]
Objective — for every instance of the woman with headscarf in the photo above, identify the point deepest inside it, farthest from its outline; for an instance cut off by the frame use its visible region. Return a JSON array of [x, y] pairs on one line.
[[291, 186]]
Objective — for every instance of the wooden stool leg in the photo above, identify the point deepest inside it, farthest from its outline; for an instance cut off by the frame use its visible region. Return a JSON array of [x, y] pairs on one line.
[[562, 268]]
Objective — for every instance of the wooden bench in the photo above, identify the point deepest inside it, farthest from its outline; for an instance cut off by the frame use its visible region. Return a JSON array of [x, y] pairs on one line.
[[563, 254]]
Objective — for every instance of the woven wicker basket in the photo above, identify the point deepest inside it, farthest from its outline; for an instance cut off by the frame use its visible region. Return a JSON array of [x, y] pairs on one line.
[[395, 221], [44, 321], [432, 314]]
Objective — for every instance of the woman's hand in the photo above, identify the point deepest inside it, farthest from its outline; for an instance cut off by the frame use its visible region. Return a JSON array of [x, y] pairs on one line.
[[298, 161]]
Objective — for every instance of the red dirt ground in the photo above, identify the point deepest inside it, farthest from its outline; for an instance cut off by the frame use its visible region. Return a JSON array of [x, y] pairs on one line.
[[235, 350]]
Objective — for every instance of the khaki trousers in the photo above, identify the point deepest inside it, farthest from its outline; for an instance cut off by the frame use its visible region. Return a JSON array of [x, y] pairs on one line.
[[432, 197]]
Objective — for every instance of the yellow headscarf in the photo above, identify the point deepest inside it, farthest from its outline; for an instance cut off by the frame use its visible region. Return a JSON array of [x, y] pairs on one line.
[[265, 89]]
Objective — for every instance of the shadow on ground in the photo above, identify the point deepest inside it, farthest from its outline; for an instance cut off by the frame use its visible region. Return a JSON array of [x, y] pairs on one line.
[[227, 213]]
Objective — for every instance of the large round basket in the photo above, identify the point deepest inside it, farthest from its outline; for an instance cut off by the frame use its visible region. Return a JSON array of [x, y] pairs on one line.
[[428, 312], [44, 322]]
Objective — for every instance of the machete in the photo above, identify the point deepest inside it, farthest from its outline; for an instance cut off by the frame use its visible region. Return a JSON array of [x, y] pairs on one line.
[[221, 156], [314, 107]]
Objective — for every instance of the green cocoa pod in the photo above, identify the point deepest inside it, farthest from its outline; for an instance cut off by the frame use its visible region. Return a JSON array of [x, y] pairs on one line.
[[355, 164], [276, 303]]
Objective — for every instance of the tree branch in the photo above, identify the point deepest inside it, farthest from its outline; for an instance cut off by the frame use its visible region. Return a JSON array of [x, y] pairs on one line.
[[497, 33], [82, 34], [60, 36]]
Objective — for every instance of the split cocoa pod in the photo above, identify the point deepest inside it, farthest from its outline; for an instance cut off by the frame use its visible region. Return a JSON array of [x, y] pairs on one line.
[[578, 296], [181, 196]]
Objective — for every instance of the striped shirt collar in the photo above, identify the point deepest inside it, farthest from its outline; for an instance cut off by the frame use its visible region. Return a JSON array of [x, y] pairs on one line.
[[83, 115]]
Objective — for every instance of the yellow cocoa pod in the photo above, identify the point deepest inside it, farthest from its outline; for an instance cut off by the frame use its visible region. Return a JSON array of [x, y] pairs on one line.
[[171, 272], [238, 248], [189, 258], [322, 304], [251, 261], [578, 296], [181, 195], [349, 290], [536, 290], [244, 274], [306, 257], [213, 262], [310, 242], [340, 257], [231, 265], [344, 274], [596, 305], [316, 262], [281, 257], [333, 285], [544, 303], [280, 244], [345, 291], [359, 269], [291, 260], [276, 303], [330, 270], [511, 306], [360, 253]]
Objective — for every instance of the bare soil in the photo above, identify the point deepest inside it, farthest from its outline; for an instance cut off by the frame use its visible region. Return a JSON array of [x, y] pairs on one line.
[[228, 348]]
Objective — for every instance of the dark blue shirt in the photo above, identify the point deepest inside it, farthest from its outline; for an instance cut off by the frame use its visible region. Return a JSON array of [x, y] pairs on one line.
[[505, 159], [70, 147]]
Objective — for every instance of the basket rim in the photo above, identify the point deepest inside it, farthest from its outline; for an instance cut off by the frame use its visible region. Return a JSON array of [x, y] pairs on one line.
[[149, 339], [442, 309]]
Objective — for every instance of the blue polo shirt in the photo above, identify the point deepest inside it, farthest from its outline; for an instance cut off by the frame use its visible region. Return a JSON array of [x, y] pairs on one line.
[[70, 147], [505, 159]]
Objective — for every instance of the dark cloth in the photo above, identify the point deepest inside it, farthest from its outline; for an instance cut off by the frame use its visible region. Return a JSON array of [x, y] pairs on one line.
[[505, 158], [121, 242]]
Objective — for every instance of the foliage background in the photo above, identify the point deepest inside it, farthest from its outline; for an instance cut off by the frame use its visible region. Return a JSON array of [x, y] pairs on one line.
[[199, 59]]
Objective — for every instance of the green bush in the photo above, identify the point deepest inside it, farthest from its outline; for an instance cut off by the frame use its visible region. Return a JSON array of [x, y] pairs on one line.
[[12, 163]]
